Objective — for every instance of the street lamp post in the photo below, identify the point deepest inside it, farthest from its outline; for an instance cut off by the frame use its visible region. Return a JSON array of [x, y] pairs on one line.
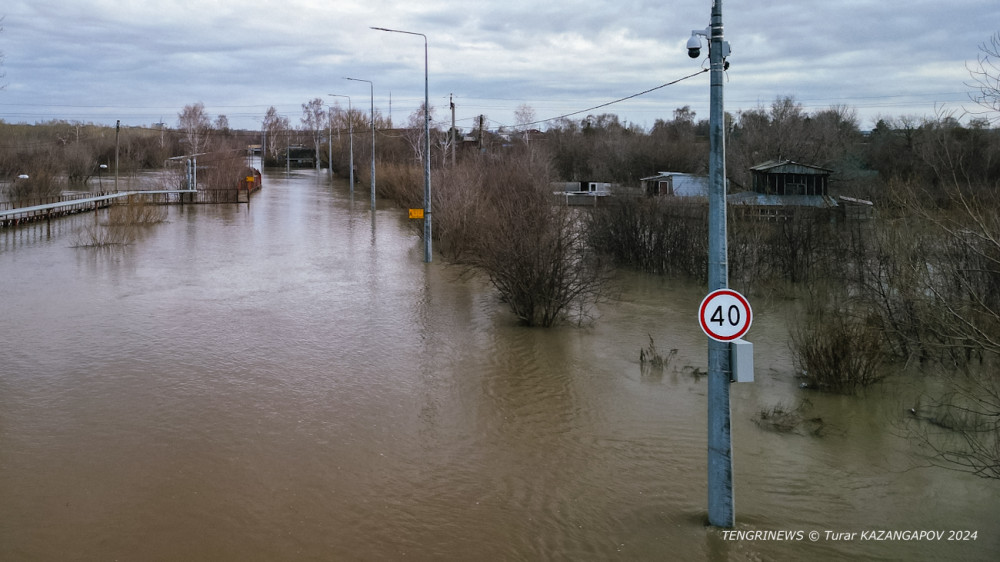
[[427, 147], [350, 129], [329, 145], [100, 179], [371, 88], [720, 446]]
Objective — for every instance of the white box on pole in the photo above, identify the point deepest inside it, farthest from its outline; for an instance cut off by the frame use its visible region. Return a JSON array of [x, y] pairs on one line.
[[741, 354]]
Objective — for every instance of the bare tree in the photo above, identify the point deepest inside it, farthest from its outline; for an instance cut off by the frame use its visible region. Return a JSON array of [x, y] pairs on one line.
[[524, 116], [986, 78], [533, 252], [222, 125], [786, 132], [275, 126], [962, 427], [314, 122], [684, 115], [954, 299], [196, 126], [415, 131]]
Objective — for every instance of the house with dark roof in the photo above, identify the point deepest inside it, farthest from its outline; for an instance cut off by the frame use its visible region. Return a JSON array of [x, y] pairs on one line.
[[787, 183], [780, 187]]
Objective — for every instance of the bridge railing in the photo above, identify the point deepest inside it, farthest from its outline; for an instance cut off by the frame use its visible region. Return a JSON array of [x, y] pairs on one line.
[[37, 201]]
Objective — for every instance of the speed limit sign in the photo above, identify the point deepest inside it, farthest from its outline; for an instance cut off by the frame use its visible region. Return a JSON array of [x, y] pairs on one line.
[[725, 315]]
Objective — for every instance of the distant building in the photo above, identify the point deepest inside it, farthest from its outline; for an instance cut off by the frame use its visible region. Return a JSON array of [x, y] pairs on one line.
[[675, 184], [782, 189], [787, 184], [299, 156], [592, 188], [581, 192]]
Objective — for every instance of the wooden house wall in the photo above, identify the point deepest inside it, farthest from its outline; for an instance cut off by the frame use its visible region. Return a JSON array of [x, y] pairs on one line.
[[790, 183]]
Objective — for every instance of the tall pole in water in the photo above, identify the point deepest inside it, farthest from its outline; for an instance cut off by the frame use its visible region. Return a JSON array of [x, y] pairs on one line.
[[371, 88], [118, 128], [720, 446], [350, 134], [454, 136], [427, 146]]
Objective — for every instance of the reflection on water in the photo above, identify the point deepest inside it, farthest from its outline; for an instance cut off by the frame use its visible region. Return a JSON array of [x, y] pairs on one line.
[[288, 380]]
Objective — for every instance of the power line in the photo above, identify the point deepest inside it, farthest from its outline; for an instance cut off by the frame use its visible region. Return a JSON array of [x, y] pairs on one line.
[[619, 100], [606, 104]]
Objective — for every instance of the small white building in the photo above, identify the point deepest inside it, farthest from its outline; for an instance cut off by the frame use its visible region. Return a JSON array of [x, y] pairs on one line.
[[582, 192], [593, 188]]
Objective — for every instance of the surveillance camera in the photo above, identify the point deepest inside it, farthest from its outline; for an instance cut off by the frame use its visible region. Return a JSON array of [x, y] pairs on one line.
[[694, 47]]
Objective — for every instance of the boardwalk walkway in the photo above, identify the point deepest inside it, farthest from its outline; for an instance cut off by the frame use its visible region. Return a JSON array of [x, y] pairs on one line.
[[18, 215]]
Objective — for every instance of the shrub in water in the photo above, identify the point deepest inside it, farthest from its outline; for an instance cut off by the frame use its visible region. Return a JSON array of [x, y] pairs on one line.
[[839, 351]]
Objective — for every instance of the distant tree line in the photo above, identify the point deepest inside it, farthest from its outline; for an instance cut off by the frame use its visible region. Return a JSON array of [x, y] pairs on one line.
[[62, 154]]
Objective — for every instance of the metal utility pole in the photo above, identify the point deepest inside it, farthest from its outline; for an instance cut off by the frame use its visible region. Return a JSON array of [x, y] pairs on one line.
[[371, 88], [720, 446], [350, 133], [427, 145], [118, 128], [454, 135]]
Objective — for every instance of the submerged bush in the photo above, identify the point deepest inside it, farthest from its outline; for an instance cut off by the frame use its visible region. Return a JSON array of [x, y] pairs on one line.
[[105, 236], [137, 211], [651, 357], [41, 183], [504, 225], [839, 351], [663, 235], [401, 182], [784, 419], [123, 224]]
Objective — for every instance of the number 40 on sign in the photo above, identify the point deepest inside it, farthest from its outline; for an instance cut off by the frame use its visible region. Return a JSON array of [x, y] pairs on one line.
[[725, 315]]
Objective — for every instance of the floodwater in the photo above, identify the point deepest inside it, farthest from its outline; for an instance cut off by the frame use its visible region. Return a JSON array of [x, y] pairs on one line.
[[287, 380]]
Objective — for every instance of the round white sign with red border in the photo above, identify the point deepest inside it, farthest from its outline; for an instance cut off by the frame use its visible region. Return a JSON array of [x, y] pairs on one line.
[[725, 315]]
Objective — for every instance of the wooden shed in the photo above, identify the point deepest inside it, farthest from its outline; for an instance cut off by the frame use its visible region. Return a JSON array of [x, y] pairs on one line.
[[790, 178]]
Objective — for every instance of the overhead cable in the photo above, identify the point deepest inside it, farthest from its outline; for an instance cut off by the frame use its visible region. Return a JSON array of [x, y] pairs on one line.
[[619, 100]]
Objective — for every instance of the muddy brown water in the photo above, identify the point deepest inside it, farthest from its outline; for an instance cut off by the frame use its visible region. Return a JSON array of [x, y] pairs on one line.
[[289, 381]]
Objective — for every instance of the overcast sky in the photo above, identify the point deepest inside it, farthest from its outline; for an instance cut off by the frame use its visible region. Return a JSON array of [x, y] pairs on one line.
[[142, 62]]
